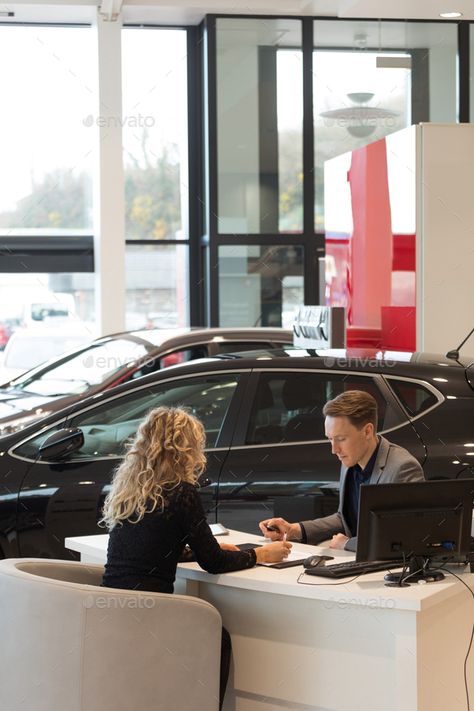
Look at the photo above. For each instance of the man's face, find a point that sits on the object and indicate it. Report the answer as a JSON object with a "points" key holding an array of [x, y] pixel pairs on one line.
{"points": [[349, 444]]}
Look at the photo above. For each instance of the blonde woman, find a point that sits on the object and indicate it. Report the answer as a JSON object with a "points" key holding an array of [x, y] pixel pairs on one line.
{"points": [[154, 509]]}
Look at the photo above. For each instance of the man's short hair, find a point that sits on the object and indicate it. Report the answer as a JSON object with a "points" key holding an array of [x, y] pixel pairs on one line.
{"points": [[359, 407]]}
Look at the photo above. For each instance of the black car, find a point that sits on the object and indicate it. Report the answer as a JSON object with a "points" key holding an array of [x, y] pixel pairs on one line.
{"points": [[112, 360], [266, 449]]}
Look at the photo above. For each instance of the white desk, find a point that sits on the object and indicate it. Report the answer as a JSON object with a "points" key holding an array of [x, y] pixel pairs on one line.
{"points": [[327, 646]]}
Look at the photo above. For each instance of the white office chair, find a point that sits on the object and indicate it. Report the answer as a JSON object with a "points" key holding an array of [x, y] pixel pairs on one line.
{"points": [[70, 645]]}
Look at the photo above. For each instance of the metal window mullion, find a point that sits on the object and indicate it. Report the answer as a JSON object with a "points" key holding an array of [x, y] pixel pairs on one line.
{"points": [[195, 189], [212, 168], [463, 78], [313, 248]]}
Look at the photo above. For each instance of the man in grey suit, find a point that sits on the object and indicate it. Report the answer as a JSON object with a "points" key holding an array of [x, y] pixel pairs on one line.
{"points": [[366, 458]]}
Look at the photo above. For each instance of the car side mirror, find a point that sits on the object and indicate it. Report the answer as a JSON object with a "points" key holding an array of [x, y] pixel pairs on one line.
{"points": [[62, 443]]}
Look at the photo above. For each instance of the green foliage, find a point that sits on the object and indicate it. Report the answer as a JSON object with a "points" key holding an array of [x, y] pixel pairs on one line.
{"points": [[63, 199], [291, 182], [59, 200], [152, 198]]}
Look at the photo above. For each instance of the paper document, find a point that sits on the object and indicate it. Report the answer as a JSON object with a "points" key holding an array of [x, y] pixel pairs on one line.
{"points": [[296, 556]]}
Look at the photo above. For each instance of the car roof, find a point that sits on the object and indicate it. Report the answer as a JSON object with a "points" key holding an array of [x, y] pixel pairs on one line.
{"points": [[419, 366], [361, 358], [448, 375], [169, 337]]}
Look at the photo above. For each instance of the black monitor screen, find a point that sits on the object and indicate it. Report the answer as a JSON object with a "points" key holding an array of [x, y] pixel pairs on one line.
{"points": [[427, 519]]}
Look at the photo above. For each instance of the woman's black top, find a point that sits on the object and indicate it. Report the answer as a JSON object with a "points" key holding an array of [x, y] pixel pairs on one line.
{"points": [[144, 555]]}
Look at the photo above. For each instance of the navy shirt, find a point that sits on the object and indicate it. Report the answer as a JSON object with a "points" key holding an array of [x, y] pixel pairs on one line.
{"points": [[355, 477]]}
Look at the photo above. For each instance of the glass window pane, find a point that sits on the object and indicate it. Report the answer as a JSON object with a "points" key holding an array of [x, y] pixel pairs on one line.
{"points": [[372, 78], [155, 133], [157, 286], [47, 79], [259, 125], [259, 286]]}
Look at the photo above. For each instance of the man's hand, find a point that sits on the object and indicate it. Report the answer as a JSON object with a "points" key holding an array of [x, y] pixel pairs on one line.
{"points": [[279, 525], [339, 540]]}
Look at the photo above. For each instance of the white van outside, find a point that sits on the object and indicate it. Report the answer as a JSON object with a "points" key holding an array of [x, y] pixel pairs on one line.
{"points": [[28, 347]]}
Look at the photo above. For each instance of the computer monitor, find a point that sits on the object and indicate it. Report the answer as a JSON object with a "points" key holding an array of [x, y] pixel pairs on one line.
{"points": [[415, 523]]}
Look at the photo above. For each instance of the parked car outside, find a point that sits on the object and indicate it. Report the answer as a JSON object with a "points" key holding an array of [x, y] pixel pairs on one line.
{"points": [[109, 361], [5, 333], [266, 449], [30, 347]]}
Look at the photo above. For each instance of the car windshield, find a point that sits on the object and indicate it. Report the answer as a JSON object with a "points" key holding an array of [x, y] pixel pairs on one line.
{"points": [[28, 352], [82, 370]]}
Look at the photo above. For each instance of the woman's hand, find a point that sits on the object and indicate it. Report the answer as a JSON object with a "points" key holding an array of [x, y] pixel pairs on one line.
{"points": [[273, 552]]}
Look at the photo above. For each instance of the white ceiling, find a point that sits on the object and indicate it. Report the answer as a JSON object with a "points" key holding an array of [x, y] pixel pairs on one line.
{"points": [[192, 11]]}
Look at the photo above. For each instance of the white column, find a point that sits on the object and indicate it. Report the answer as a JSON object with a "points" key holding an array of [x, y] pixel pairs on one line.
{"points": [[445, 237], [109, 223]]}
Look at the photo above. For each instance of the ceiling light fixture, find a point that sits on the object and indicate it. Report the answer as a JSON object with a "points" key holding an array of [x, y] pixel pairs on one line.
{"points": [[360, 119], [450, 15]]}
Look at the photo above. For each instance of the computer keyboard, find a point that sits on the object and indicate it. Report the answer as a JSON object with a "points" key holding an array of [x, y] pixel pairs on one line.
{"points": [[351, 568]]}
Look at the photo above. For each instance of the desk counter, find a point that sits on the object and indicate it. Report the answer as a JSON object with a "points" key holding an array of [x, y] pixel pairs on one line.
{"points": [[305, 643]]}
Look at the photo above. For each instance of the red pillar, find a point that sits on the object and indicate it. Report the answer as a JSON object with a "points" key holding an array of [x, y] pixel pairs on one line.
{"points": [[371, 243]]}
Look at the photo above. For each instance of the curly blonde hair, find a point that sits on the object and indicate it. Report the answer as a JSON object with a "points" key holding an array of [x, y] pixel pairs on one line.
{"points": [[167, 449]]}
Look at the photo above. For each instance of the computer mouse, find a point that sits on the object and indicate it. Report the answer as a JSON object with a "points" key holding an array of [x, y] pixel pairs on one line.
{"points": [[314, 560]]}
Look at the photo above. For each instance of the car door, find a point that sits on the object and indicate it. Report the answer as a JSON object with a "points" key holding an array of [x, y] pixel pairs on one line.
{"points": [[280, 463], [60, 499]]}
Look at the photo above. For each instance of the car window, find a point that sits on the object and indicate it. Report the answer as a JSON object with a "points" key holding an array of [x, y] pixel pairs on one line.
{"points": [[414, 397], [182, 355], [40, 312], [109, 425], [288, 406]]}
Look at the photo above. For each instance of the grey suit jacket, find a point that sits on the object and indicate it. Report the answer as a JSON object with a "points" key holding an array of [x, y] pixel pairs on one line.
{"points": [[394, 465]]}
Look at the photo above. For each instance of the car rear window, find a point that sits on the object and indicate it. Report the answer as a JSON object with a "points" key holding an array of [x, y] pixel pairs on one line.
{"points": [[414, 397]]}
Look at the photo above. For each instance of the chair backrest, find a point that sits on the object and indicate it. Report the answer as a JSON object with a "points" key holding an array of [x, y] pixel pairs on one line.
{"points": [[69, 644], [306, 397], [261, 429]]}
